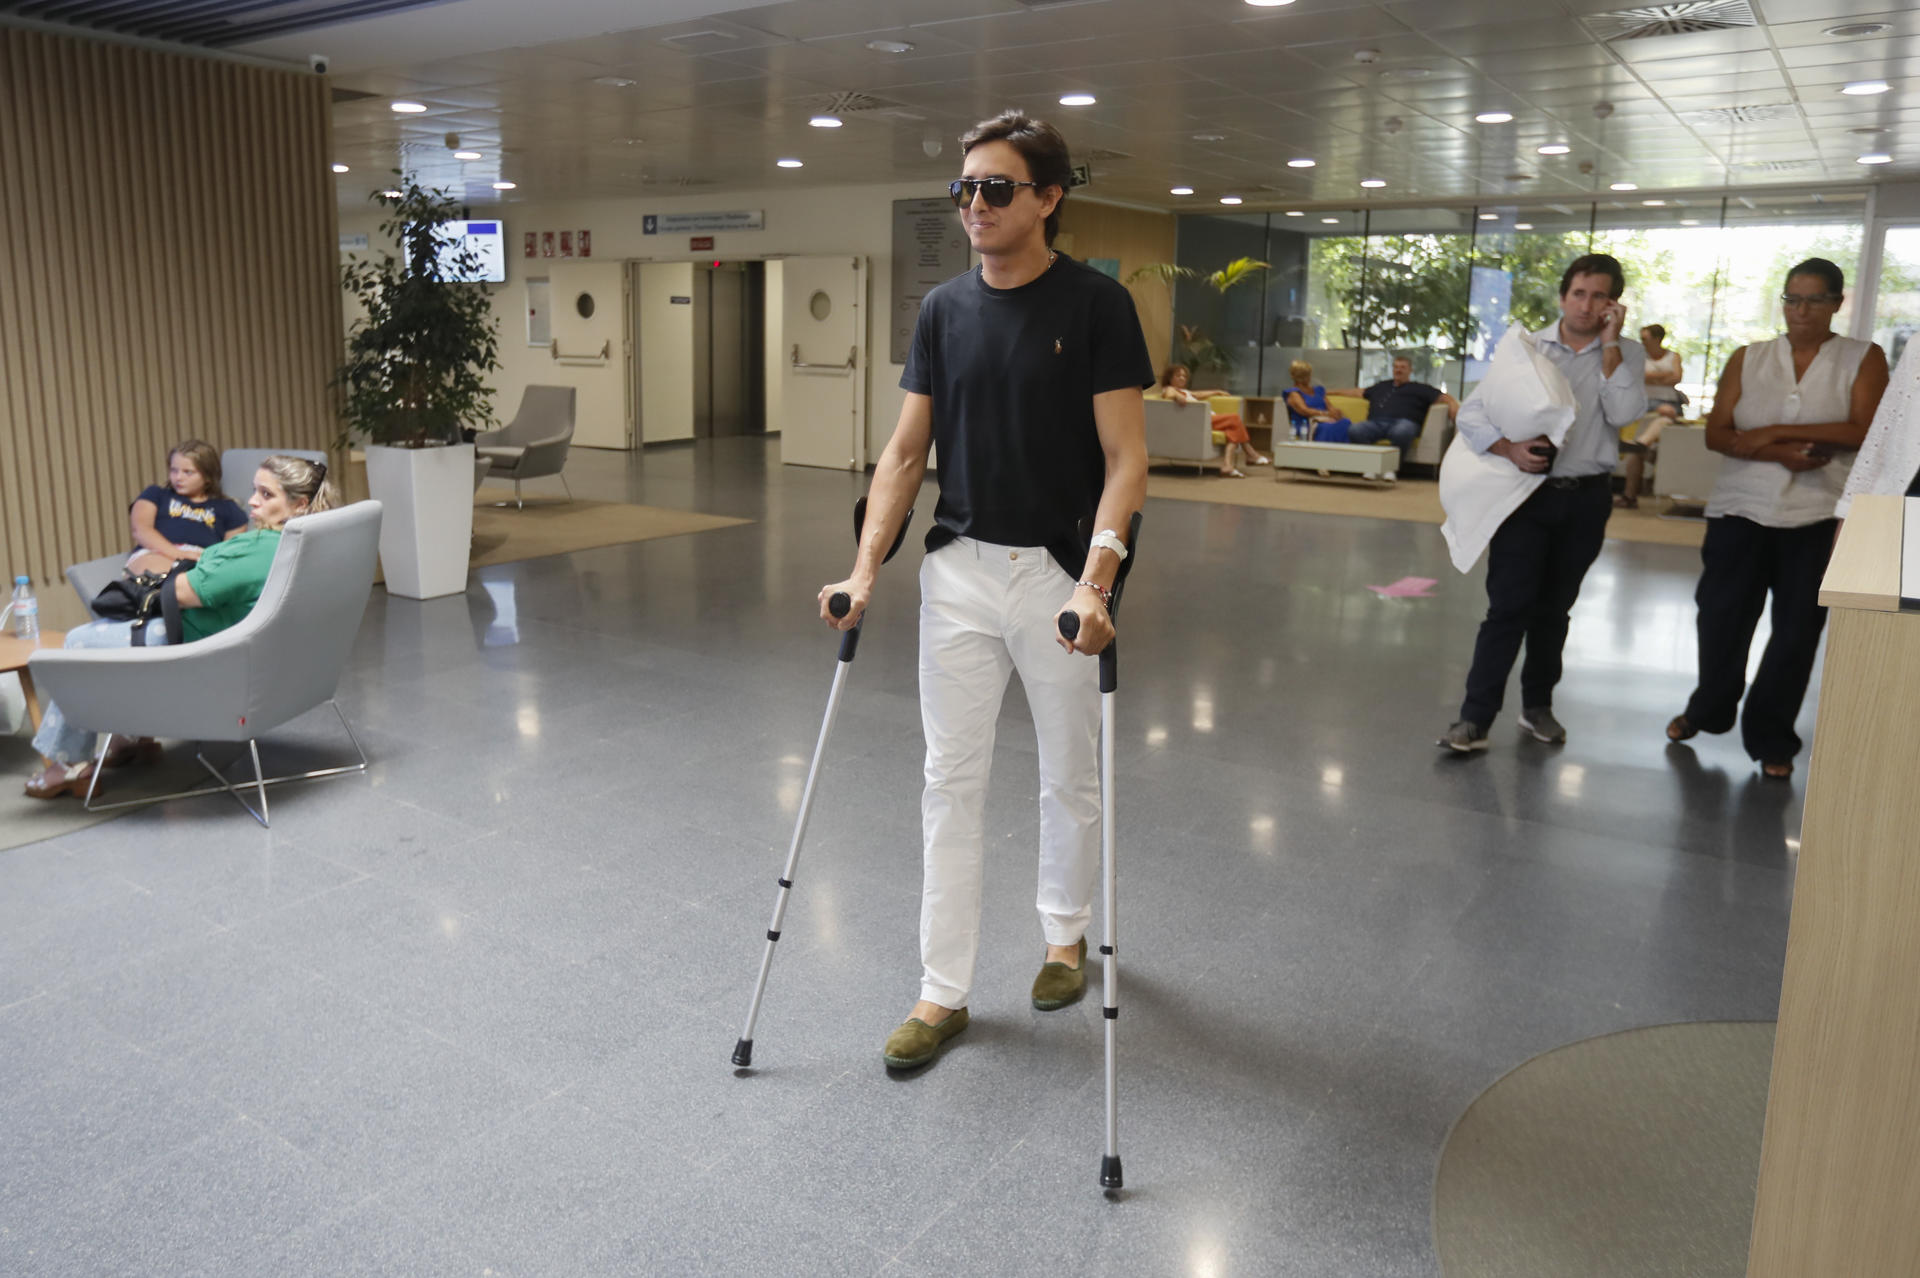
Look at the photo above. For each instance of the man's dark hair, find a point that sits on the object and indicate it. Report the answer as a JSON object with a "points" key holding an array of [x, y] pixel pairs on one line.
{"points": [[1039, 144], [1659, 331], [1596, 264], [1821, 267]]}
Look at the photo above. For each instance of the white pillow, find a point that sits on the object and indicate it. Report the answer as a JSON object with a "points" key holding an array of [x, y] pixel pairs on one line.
{"points": [[1524, 394]]}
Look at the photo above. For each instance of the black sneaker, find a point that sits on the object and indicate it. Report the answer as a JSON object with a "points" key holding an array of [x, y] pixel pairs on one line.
{"points": [[1464, 737], [1540, 724]]}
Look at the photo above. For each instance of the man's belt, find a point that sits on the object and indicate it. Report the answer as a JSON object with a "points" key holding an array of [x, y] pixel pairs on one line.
{"points": [[1578, 481]]}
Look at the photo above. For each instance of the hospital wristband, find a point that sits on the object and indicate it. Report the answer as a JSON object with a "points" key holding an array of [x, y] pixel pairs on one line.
{"points": [[1108, 539]]}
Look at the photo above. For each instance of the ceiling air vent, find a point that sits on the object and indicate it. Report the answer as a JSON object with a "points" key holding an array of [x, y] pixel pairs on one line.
{"points": [[1776, 166], [852, 103], [1103, 153], [1741, 114], [1686, 17], [647, 179]]}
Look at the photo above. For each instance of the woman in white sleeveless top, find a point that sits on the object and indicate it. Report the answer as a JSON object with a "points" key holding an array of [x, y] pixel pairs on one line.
{"points": [[1789, 414]]}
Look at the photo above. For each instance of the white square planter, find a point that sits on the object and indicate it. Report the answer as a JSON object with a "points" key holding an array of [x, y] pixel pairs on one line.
{"points": [[427, 534]]}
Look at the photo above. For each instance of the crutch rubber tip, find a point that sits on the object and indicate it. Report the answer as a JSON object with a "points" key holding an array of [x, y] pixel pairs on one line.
{"points": [[743, 1053], [840, 604], [1110, 1171]]}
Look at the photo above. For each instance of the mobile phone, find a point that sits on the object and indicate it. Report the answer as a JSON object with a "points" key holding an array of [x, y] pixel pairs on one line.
{"points": [[1548, 450]]}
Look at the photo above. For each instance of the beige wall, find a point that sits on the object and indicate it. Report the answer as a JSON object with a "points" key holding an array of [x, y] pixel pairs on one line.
{"points": [[167, 250]]}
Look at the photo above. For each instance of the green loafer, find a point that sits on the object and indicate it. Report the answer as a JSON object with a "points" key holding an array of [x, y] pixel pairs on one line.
{"points": [[1058, 985], [916, 1042]]}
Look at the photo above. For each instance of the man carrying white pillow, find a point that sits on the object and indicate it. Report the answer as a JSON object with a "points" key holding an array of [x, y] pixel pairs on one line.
{"points": [[1542, 551]]}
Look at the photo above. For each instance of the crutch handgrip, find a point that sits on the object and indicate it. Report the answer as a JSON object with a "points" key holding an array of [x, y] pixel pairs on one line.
{"points": [[840, 604], [1069, 622]]}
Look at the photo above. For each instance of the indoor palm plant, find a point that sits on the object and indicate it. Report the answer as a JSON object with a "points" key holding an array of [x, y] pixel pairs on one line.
{"points": [[413, 379], [1197, 350]]}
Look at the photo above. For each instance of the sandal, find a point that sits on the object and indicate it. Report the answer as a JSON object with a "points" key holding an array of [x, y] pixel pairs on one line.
{"points": [[1777, 771], [1261, 461], [1626, 503], [61, 778], [1233, 474], [1680, 728]]}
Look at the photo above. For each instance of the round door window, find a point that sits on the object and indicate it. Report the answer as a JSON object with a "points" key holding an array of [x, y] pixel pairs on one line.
{"points": [[584, 304], [820, 305]]}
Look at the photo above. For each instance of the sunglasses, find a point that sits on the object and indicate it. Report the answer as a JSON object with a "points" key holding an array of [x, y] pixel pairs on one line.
{"points": [[1795, 300], [999, 191]]}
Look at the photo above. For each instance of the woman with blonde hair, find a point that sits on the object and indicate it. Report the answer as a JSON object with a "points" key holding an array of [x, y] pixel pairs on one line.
{"points": [[1173, 386], [1308, 410], [219, 590]]}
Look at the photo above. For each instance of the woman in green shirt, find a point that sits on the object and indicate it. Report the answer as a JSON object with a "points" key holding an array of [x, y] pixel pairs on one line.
{"points": [[214, 594]]}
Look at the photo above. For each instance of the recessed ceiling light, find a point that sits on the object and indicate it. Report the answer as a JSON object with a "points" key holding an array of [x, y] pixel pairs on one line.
{"points": [[466, 155], [1689, 221], [1865, 88], [791, 164], [340, 168], [1523, 226], [1877, 157], [1076, 99], [1653, 204], [1555, 148], [409, 108], [615, 81], [1209, 137], [1330, 221], [826, 122], [1181, 190], [1230, 199], [1268, 4], [1295, 213], [890, 46], [1489, 217], [1853, 30], [1372, 184], [1493, 117], [504, 186], [1301, 164], [1624, 186]]}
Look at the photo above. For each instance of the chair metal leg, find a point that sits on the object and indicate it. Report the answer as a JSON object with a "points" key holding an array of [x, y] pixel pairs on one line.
{"points": [[259, 783], [564, 484], [517, 503]]}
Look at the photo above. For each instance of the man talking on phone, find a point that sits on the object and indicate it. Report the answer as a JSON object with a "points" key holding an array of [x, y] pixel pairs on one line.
{"points": [[1541, 554]]}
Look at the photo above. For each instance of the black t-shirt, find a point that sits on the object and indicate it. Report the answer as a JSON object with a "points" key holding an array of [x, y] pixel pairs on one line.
{"points": [[1387, 402], [192, 523], [1012, 374]]}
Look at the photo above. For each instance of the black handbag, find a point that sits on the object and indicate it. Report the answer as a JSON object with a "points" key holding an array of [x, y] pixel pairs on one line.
{"points": [[144, 598], [129, 597]]}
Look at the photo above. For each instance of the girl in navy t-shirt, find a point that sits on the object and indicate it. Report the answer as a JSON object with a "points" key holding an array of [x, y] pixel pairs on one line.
{"points": [[179, 519]]}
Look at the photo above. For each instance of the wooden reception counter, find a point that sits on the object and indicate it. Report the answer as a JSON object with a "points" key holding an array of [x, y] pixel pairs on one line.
{"points": [[1839, 1191]]}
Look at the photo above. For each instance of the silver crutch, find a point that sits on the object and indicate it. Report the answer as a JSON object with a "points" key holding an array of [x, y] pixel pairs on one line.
{"points": [[1069, 622], [849, 643]]}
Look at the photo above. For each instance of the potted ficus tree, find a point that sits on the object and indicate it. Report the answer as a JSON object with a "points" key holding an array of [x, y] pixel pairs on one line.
{"points": [[414, 377]]}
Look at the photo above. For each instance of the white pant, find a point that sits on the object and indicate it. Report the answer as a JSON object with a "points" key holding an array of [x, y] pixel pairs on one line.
{"points": [[987, 610]]}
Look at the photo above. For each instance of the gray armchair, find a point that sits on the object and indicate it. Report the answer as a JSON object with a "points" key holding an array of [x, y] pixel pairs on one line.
{"points": [[534, 444], [90, 578], [282, 660]]}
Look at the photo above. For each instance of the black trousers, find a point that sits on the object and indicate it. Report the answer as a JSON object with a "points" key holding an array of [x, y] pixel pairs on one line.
{"points": [[1534, 569], [1741, 563]]}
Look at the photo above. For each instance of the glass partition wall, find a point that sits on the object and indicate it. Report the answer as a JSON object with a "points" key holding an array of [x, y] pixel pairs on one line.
{"points": [[1347, 289]]}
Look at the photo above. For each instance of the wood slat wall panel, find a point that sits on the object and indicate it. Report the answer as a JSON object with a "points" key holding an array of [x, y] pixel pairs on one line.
{"points": [[167, 270]]}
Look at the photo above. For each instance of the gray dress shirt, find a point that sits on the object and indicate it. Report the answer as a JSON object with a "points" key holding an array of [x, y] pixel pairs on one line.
{"points": [[1605, 404]]}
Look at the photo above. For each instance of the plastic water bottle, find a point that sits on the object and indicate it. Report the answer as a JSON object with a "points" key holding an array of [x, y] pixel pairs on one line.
{"points": [[26, 610]]}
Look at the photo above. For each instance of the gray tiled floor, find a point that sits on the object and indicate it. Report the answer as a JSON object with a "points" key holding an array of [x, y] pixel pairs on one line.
{"points": [[472, 1013]]}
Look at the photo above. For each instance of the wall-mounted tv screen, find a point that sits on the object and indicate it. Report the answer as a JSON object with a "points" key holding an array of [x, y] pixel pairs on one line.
{"points": [[488, 243]]}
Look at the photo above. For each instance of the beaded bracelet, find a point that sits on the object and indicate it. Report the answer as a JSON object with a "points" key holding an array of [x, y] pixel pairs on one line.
{"points": [[1106, 596]]}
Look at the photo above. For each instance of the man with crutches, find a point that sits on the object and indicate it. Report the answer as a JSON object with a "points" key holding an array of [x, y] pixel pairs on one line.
{"points": [[1027, 374]]}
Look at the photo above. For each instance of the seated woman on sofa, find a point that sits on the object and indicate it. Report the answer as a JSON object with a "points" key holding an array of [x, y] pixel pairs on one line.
{"points": [[219, 590], [1307, 408], [179, 519], [1173, 386]]}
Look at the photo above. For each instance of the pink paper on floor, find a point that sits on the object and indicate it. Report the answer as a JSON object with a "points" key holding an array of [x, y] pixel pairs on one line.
{"points": [[1407, 588]]}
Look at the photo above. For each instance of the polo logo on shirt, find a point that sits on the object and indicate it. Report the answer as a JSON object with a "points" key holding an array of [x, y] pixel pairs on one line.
{"points": [[1057, 348]]}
